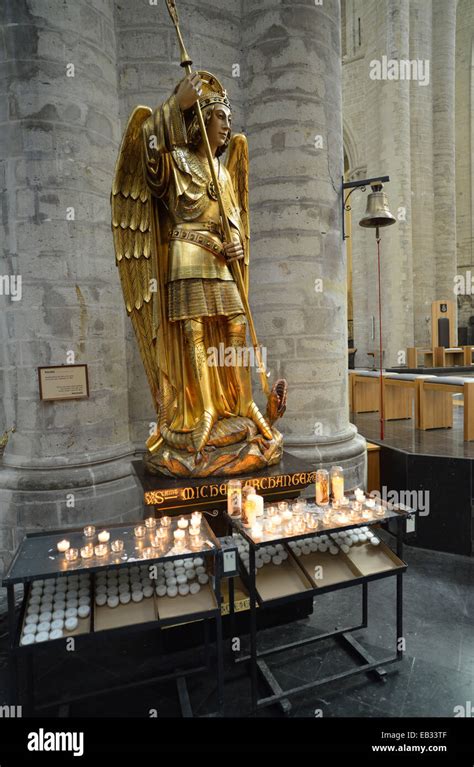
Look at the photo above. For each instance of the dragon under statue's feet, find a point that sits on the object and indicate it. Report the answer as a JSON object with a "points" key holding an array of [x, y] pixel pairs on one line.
{"points": [[254, 413], [202, 431]]}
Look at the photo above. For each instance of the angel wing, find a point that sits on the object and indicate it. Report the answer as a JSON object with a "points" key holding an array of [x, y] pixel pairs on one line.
{"points": [[238, 166], [131, 227]]}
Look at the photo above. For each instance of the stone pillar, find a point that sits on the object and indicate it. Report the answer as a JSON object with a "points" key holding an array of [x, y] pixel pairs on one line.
{"points": [[421, 129], [68, 461], [388, 153], [293, 91], [464, 123], [444, 156]]}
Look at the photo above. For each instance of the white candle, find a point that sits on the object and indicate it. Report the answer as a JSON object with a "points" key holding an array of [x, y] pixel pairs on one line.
{"points": [[257, 531], [63, 545], [337, 484], [104, 536], [179, 536], [257, 501], [182, 523]]}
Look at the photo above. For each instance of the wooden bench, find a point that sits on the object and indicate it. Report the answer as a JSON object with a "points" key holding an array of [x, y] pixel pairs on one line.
{"points": [[448, 357], [364, 391], [435, 408], [412, 357], [400, 393], [468, 355]]}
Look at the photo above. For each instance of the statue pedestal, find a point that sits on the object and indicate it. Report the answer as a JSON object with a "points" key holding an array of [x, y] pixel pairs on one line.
{"points": [[182, 495]]}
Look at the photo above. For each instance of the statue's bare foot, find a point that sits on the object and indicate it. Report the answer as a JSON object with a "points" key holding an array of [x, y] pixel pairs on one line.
{"points": [[202, 431], [254, 413]]}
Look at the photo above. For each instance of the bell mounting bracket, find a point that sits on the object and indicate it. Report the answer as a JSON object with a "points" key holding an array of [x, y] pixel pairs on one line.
{"points": [[362, 184]]}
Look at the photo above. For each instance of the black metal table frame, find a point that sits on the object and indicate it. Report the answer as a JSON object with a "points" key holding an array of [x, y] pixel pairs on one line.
{"points": [[17, 652], [256, 659]]}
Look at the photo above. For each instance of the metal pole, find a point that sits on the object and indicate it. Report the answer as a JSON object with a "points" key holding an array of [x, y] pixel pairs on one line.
{"points": [[382, 424]]}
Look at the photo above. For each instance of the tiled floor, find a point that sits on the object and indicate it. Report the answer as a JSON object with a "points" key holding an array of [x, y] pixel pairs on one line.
{"points": [[436, 674]]}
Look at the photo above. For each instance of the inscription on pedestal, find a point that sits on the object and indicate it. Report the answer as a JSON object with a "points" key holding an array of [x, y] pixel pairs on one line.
{"points": [[286, 480]]}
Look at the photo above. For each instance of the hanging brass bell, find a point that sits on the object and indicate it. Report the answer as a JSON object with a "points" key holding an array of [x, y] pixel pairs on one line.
{"points": [[377, 212]]}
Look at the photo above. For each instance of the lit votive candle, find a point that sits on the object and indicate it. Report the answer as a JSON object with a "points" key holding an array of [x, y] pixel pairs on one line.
{"points": [[322, 487], [286, 516], [276, 523], [179, 537], [282, 506], [101, 550], [312, 522], [182, 523], [72, 555], [89, 531], [87, 551], [337, 483], [257, 531], [194, 537], [104, 536], [165, 521], [139, 531], [268, 524], [63, 545], [150, 523], [148, 553], [379, 510], [196, 518], [249, 512], [161, 535], [117, 546], [259, 506], [359, 494], [299, 507]]}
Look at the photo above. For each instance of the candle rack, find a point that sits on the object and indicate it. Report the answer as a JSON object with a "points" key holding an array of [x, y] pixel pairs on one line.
{"points": [[37, 557], [263, 593]]}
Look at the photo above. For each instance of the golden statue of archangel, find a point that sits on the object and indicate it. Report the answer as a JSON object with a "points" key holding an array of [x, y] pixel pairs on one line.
{"points": [[177, 272]]}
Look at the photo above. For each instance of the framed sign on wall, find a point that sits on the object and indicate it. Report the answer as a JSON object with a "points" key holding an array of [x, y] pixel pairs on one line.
{"points": [[63, 382]]}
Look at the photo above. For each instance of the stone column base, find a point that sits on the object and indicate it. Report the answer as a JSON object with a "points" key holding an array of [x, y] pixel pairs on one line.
{"points": [[55, 494], [348, 450]]}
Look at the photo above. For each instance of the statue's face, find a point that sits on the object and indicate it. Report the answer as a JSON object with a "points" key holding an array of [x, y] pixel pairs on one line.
{"points": [[219, 125]]}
